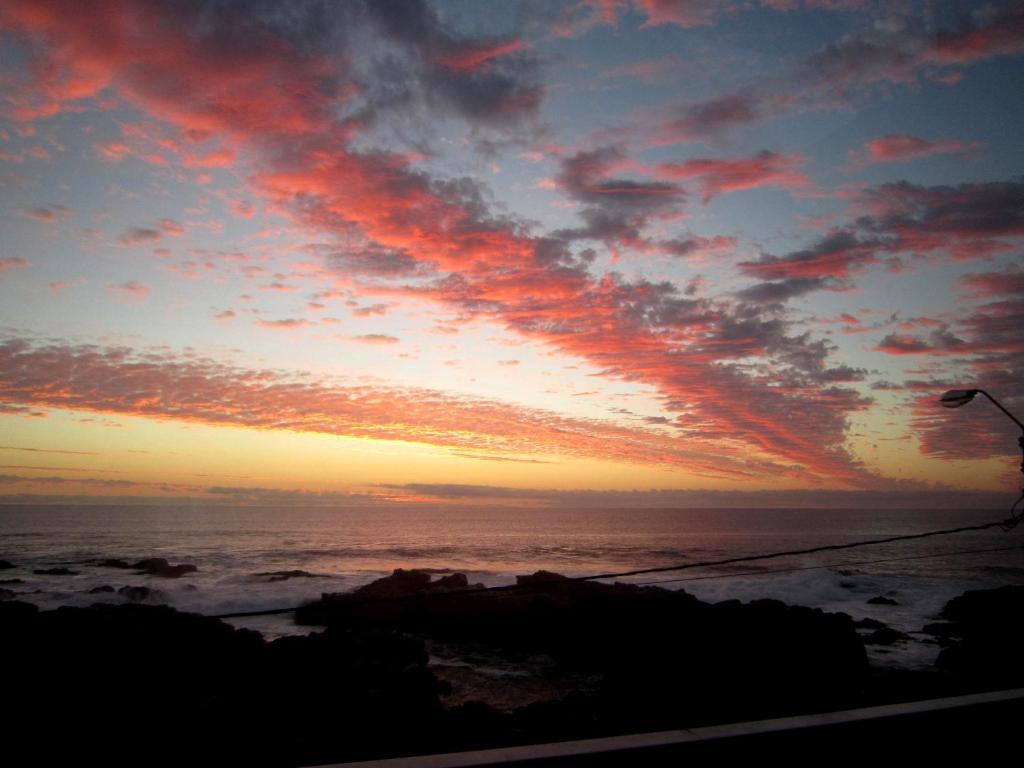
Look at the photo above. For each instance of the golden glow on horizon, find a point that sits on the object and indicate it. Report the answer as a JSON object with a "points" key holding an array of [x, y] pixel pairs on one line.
{"points": [[168, 458]]}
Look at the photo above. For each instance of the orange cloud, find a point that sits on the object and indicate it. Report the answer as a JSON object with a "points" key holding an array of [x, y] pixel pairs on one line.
{"points": [[117, 380]]}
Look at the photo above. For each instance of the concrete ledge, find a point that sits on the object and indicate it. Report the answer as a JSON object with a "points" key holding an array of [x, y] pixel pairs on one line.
{"points": [[914, 720]]}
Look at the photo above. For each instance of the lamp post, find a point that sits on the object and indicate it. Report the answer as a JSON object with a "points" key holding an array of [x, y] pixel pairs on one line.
{"points": [[955, 398]]}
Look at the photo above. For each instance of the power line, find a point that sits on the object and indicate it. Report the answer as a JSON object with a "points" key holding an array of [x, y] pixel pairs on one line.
{"points": [[828, 565], [794, 552], [533, 584]]}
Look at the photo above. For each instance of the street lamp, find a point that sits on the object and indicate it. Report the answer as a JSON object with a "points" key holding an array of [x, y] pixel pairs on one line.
{"points": [[955, 398]]}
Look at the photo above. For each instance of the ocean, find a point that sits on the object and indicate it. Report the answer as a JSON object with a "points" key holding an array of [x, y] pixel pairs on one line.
{"points": [[236, 548]]}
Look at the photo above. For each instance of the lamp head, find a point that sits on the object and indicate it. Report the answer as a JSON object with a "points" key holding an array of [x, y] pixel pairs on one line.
{"points": [[957, 397]]}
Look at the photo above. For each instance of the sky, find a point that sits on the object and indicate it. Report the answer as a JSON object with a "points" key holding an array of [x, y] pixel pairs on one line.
{"points": [[594, 251]]}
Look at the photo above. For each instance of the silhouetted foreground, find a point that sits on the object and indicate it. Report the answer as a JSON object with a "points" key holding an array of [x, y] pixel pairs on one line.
{"points": [[149, 685]]}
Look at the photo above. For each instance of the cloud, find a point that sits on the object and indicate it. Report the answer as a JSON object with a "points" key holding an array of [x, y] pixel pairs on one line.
{"points": [[896, 147], [138, 236], [12, 262], [780, 291], [230, 68], [473, 55], [987, 347], [376, 338], [131, 289], [575, 19], [968, 221], [833, 256], [899, 50], [697, 247], [911, 496], [904, 48], [616, 209], [368, 311], [285, 324], [717, 176], [681, 13], [939, 342], [511, 459], [47, 450], [292, 92], [170, 227], [155, 384], [48, 214], [995, 284], [711, 119]]}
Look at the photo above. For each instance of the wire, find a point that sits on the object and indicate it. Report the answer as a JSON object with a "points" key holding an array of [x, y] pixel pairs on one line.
{"points": [[1010, 524], [827, 565], [533, 584]]}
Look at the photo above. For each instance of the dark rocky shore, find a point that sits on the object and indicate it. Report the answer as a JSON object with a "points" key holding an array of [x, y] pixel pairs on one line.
{"points": [[116, 683]]}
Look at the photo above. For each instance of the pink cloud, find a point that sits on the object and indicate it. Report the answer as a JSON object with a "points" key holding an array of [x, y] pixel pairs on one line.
{"points": [[717, 176], [835, 256], [368, 311], [967, 221], [170, 227], [988, 347], [995, 284], [468, 57], [285, 324], [130, 289], [12, 262], [901, 147], [939, 342], [682, 13]]}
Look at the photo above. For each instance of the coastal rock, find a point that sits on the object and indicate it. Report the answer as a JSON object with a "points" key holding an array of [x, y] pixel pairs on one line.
{"points": [[453, 582], [334, 696], [886, 636], [140, 594], [12, 615], [405, 583], [158, 566], [869, 623], [646, 643], [986, 636], [538, 578], [55, 572], [285, 575], [882, 600], [942, 629], [5, 565]]}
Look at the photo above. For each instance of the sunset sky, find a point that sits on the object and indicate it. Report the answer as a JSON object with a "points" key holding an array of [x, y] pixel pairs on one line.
{"points": [[365, 252]]}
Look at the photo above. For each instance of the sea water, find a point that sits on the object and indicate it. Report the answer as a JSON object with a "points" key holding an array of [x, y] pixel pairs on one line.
{"points": [[234, 548]]}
